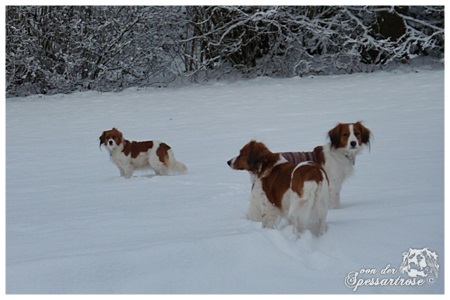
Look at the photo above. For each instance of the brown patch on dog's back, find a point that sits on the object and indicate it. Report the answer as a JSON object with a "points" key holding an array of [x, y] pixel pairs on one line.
{"points": [[277, 183], [135, 148], [162, 153], [309, 172]]}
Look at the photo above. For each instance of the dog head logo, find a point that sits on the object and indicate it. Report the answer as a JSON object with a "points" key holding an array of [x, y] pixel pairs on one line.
{"points": [[420, 263]]}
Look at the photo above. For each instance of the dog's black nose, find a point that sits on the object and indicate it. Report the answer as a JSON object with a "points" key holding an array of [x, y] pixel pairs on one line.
{"points": [[110, 143], [353, 144], [229, 162]]}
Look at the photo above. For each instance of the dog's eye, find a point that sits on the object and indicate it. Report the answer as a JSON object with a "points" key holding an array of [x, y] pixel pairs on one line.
{"points": [[357, 133], [345, 135], [113, 136]]}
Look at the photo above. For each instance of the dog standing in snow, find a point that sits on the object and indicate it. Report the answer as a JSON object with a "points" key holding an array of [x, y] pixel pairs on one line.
{"points": [[129, 156], [284, 189], [338, 156]]}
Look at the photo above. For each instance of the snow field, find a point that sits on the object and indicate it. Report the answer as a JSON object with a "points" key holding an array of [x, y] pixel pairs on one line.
{"points": [[74, 226]]}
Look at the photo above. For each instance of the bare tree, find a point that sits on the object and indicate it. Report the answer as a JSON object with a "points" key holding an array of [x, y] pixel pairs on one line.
{"points": [[59, 49]]}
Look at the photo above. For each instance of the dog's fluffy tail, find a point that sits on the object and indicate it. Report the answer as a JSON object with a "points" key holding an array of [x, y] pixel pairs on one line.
{"points": [[175, 166], [178, 167], [311, 207]]}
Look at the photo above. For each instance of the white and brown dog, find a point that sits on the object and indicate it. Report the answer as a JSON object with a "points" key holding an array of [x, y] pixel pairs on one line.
{"points": [[284, 189], [338, 156], [129, 156]]}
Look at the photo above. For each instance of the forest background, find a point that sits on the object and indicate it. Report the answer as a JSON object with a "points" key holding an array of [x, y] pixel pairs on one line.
{"points": [[62, 49]]}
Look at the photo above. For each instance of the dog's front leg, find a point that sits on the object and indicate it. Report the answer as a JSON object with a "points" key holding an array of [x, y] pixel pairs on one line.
{"points": [[254, 209], [126, 172], [122, 172], [270, 214]]}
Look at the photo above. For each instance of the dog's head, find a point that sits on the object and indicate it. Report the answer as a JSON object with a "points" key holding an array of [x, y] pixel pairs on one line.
{"points": [[350, 137], [419, 262], [254, 157], [111, 139]]}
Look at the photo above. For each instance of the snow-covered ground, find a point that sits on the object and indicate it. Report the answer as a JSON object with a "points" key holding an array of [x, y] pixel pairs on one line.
{"points": [[74, 226]]}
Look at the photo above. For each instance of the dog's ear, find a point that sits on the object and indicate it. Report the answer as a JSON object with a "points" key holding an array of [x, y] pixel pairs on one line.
{"points": [[119, 134], [365, 133], [259, 157], [258, 162], [253, 158], [102, 138], [335, 135]]}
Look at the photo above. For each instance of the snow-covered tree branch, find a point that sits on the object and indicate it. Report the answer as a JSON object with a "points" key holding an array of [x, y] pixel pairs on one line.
{"points": [[63, 49]]}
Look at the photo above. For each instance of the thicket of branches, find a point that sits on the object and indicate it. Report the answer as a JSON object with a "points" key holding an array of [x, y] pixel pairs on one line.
{"points": [[59, 49]]}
